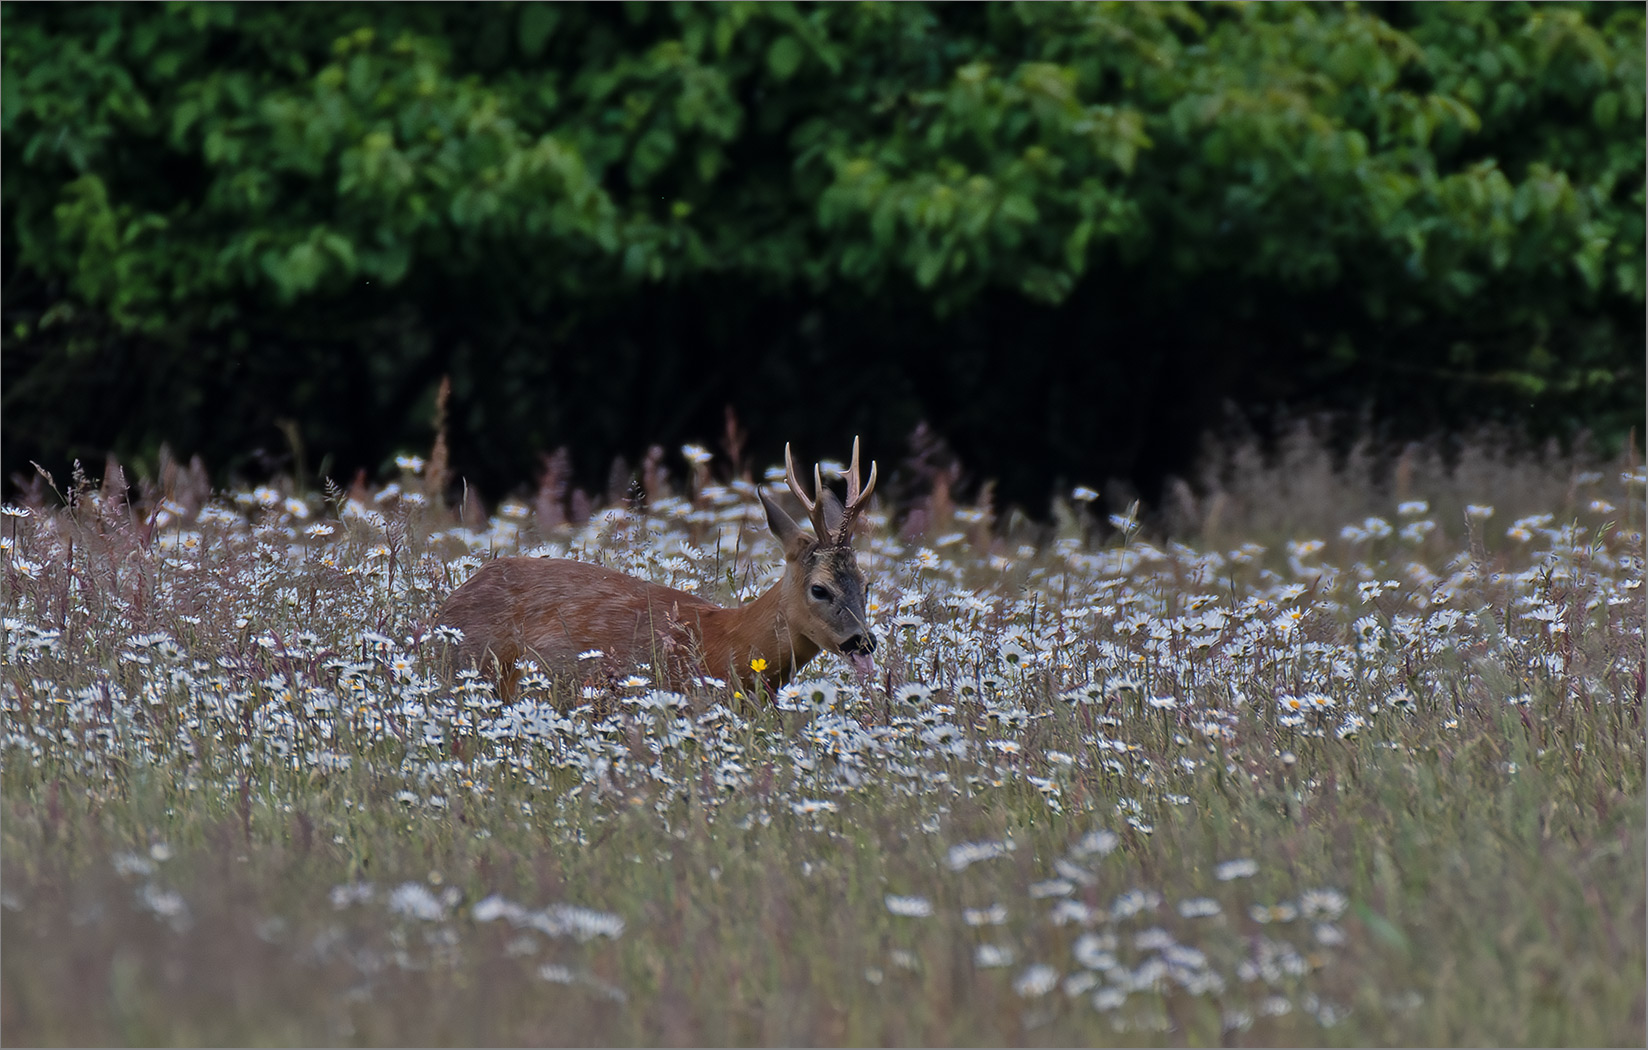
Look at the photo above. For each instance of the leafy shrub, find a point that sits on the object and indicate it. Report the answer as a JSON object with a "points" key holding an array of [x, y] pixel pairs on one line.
{"points": [[313, 213]]}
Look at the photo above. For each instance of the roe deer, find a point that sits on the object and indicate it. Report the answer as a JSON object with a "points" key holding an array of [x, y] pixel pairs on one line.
{"points": [[552, 610]]}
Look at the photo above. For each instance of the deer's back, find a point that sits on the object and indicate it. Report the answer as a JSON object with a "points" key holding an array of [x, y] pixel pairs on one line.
{"points": [[552, 610]]}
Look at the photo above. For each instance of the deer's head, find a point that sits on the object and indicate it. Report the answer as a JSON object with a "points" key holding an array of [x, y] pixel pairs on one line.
{"points": [[824, 591]]}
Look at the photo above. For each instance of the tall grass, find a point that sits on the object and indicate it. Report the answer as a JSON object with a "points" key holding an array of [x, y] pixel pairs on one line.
{"points": [[1374, 782]]}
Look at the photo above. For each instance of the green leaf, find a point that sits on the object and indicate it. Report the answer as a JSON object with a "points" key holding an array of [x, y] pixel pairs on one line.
{"points": [[303, 269], [184, 118], [389, 263], [1605, 110], [11, 101], [538, 21], [1591, 261], [929, 264], [784, 57], [653, 151], [1382, 928], [1016, 207], [342, 249]]}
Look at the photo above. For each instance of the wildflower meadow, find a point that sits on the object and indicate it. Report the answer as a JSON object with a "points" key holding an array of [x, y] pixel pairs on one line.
{"points": [[1334, 756]]}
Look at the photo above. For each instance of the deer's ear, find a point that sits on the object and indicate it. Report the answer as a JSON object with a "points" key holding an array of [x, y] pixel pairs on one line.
{"points": [[830, 509], [795, 541]]}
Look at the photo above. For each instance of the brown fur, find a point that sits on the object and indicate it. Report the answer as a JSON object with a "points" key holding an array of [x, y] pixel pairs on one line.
{"points": [[551, 611]]}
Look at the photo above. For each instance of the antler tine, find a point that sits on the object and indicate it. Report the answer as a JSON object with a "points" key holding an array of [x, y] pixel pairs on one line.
{"points": [[856, 497], [852, 476], [814, 512], [795, 483]]}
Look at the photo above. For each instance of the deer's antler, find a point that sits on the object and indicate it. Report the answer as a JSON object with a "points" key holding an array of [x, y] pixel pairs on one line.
{"points": [[856, 497], [814, 511]]}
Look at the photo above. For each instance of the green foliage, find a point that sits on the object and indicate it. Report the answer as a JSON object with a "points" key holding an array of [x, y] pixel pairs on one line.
{"points": [[1458, 188]]}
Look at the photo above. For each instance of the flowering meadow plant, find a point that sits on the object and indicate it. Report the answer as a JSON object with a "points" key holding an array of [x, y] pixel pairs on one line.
{"points": [[1379, 784]]}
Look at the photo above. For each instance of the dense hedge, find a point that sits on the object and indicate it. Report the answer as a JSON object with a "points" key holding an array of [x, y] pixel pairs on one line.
{"points": [[1065, 234]]}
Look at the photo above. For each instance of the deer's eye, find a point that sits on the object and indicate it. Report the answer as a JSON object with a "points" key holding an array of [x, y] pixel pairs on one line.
{"points": [[821, 593]]}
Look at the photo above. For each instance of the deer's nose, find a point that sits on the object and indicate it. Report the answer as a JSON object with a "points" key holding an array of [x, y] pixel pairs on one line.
{"points": [[859, 643]]}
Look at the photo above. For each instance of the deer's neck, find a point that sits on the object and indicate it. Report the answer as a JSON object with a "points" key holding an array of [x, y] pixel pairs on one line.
{"points": [[734, 639]]}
